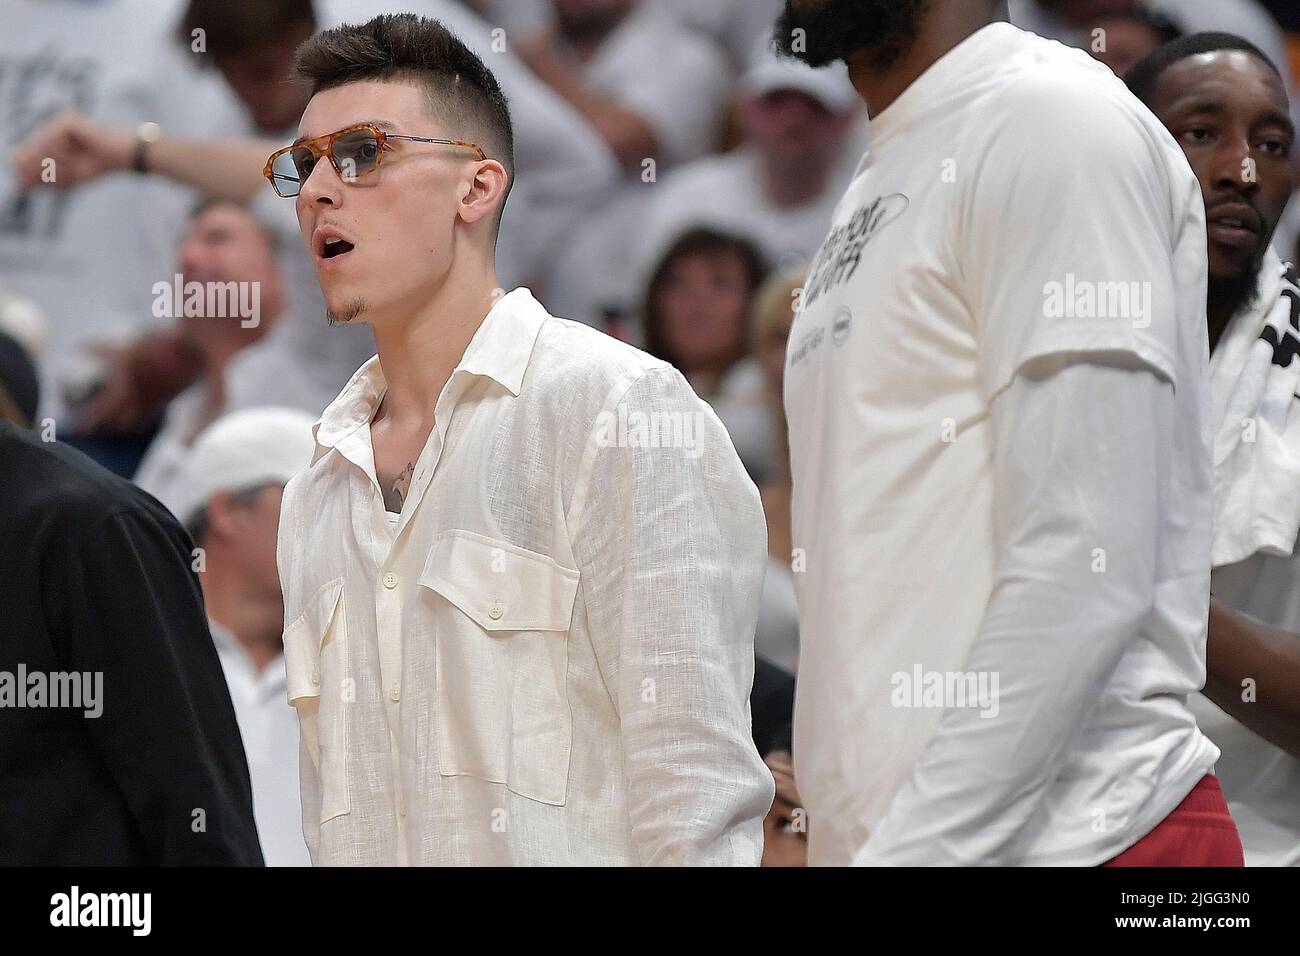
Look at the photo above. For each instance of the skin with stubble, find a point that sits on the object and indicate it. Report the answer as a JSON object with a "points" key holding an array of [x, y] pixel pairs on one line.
{"points": [[1229, 112], [421, 270]]}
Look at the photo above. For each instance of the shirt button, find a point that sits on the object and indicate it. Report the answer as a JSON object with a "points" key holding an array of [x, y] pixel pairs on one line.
{"points": [[315, 677], [396, 693], [390, 580], [495, 610], [401, 807]]}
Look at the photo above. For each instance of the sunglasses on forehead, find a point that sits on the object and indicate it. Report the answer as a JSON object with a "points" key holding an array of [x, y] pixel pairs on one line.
{"points": [[353, 152]]}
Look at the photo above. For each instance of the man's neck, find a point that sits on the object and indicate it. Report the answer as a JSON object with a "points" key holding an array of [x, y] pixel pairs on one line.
{"points": [[943, 26], [1225, 299], [419, 354]]}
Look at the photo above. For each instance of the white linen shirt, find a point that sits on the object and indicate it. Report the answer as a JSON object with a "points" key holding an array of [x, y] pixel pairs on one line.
{"points": [[547, 659]]}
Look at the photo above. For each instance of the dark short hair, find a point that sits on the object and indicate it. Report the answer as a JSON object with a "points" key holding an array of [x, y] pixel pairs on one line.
{"points": [[461, 90], [231, 28], [697, 241], [1146, 73]]}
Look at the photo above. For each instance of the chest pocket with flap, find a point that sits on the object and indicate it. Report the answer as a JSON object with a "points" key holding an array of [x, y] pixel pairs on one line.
{"points": [[502, 618]]}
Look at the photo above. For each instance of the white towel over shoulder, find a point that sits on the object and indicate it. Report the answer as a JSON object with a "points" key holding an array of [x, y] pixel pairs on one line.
{"points": [[1254, 381]]}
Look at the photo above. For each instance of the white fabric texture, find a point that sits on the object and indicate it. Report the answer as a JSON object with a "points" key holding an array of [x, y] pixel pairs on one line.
{"points": [[957, 256], [1255, 384], [1081, 473], [547, 661]]}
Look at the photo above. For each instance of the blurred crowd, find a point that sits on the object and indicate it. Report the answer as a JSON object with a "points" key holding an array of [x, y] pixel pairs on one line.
{"points": [[673, 177]]}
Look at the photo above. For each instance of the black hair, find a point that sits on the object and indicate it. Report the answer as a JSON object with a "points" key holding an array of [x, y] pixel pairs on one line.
{"points": [[1146, 73], [405, 46]]}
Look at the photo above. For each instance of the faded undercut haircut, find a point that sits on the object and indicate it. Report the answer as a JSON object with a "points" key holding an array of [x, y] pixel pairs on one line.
{"points": [[461, 91]]}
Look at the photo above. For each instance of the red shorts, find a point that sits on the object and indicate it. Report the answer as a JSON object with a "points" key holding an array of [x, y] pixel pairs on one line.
{"points": [[1200, 832]]}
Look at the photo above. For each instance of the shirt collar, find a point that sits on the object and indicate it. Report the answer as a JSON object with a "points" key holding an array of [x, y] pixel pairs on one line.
{"points": [[500, 350]]}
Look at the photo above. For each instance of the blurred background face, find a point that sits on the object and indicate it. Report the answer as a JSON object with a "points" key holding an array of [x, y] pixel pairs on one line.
{"points": [[704, 308], [1228, 111], [578, 18], [835, 29], [401, 219], [247, 532], [224, 243], [1127, 41], [262, 77], [792, 130], [1084, 11]]}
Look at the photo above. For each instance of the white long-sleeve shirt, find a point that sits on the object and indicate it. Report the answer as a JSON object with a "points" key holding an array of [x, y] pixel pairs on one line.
{"points": [[547, 658], [1076, 523], [1002, 574]]}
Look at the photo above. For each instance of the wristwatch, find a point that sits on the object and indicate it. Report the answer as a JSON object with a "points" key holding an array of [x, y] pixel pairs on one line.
{"points": [[146, 135]]}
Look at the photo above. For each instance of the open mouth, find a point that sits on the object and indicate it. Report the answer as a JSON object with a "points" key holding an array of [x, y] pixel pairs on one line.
{"points": [[335, 247]]}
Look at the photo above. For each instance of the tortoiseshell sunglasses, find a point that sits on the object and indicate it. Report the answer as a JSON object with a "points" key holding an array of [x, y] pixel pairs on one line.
{"points": [[353, 152]]}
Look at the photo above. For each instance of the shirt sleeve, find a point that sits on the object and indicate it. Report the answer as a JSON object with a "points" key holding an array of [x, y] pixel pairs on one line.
{"points": [[130, 609], [1082, 449], [1067, 231], [671, 545]]}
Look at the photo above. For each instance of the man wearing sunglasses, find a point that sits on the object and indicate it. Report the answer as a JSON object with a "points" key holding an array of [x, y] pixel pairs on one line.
{"points": [[521, 572]]}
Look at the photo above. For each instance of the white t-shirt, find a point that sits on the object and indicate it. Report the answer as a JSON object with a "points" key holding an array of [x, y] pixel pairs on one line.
{"points": [[1014, 174]]}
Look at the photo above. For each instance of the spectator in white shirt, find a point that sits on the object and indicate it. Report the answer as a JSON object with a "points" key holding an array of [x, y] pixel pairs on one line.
{"points": [[607, 58], [232, 482], [697, 317], [778, 189], [521, 574], [88, 258], [231, 258], [1002, 483], [1227, 106]]}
